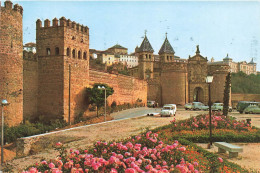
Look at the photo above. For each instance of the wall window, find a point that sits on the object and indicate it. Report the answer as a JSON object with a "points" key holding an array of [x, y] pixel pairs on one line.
{"points": [[74, 53], [150, 56], [85, 55], [79, 54], [68, 52], [57, 51], [48, 51]]}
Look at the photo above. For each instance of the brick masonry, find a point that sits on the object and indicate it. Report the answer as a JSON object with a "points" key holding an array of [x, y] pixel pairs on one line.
{"points": [[11, 61], [126, 89], [59, 74]]}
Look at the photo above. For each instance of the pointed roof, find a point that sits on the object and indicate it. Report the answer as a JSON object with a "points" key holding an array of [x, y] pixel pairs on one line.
{"points": [[252, 61], [145, 46], [166, 47]]}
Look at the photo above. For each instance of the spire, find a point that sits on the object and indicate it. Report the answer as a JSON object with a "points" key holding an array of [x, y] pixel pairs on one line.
{"points": [[227, 57], [145, 46], [198, 50], [252, 61], [166, 47]]}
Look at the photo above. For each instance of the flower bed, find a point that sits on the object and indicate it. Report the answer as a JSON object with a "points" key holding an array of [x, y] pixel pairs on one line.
{"points": [[142, 153], [196, 129]]}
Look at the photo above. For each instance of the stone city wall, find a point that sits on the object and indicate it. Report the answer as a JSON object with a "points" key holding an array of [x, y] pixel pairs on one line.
{"points": [[126, 89]]}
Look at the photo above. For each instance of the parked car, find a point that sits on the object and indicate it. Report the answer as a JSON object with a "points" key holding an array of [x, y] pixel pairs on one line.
{"points": [[242, 105], [252, 109], [150, 103], [168, 110], [219, 107], [199, 106], [188, 106]]}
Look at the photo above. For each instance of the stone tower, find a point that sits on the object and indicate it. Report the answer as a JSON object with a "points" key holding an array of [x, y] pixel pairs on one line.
{"points": [[166, 52], [146, 59], [63, 67], [11, 61], [173, 76]]}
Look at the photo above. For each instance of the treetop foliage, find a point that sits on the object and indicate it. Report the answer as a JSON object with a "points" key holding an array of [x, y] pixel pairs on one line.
{"points": [[245, 84]]}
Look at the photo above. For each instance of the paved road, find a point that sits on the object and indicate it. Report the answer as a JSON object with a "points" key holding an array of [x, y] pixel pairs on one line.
{"points": [[135, 112]]}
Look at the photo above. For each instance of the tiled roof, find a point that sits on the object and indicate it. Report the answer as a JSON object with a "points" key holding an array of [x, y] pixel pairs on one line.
{"points": [[166, 47], [117, 46], [31, 44], [145, 46]]}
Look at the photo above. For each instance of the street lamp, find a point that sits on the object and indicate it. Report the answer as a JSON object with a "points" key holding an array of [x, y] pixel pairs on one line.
{"points": [[3, 103], [104, 88], [209, 80]]}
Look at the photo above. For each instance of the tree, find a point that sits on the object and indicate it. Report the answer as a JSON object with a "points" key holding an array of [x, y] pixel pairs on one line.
{"points": [[226, 94], [97, 96]]}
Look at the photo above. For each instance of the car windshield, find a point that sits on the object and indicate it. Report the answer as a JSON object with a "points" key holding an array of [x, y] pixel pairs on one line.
{"points": [[167, 108]]}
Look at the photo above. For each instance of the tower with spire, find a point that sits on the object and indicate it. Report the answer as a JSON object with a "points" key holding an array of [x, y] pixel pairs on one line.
{"points": [[146, 59], [166, 52]]}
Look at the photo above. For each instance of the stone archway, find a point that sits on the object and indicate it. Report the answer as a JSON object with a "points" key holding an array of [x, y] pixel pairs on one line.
{"points": [[198, 95]]}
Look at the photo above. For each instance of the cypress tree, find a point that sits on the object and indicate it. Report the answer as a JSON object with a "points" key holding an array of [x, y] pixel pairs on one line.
{"points": [[226, 94]]}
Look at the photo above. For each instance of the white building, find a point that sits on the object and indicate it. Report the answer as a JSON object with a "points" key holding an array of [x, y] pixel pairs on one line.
{"points": [[129, 60], [30, 47]]}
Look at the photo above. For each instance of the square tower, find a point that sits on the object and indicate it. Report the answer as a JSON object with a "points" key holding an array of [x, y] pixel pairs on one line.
{"points": [[63, 53]]}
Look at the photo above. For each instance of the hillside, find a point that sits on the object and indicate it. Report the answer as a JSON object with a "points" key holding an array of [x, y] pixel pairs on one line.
{"points": [[246, 84]]}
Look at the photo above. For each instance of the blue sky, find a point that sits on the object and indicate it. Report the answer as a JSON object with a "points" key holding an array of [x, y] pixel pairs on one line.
{"points": [[218, 27]]}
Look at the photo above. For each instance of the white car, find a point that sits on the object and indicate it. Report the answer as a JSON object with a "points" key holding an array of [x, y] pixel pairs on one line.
{"points": [[168, 110]]}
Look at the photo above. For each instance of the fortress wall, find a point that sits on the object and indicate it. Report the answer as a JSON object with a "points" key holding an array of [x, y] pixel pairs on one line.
{"points": [[236, 97], [173, 91], [51, 81], [30, 87], [154, 91], [174, 83], [218, 84], [126, 89], [78, 81], [11, 61]]}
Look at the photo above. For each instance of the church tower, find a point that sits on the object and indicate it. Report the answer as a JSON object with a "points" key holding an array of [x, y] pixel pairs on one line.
{"points": [[166, 52], [146, 59]]}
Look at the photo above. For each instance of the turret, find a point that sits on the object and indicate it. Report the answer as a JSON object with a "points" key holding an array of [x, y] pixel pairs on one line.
{"points": [[166, 52]]}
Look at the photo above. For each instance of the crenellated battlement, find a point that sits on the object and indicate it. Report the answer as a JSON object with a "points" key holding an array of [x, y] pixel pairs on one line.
{"points": [[62, 22], [8, 5]]}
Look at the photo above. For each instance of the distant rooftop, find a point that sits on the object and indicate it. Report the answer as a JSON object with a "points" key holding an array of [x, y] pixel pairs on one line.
{"points": [[117, 46], [30, 44]]}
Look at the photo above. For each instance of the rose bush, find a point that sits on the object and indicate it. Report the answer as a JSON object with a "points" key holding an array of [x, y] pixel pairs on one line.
{"points": [[142, 153]]}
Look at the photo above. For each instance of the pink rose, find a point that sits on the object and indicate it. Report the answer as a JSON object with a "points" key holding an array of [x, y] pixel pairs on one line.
{"points": [[220, 159], [51, 165]]}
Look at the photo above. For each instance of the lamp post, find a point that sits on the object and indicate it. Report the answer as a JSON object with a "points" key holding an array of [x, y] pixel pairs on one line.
{"points": [[209, 80], [104, 88], [3, 103]]}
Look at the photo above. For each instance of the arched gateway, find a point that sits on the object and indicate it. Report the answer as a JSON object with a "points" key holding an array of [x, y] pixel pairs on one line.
{"points": [[198, 94]]}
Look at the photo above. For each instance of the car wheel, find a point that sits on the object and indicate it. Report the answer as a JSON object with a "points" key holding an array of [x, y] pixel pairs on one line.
{"points": [[186, 108], [251, 112], [161, 115]]}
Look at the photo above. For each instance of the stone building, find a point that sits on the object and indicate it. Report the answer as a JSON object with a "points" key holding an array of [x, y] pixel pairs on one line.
{"points": [[30, 47], [175, 80], [117, 49], [248, 68], [11, 61]]}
